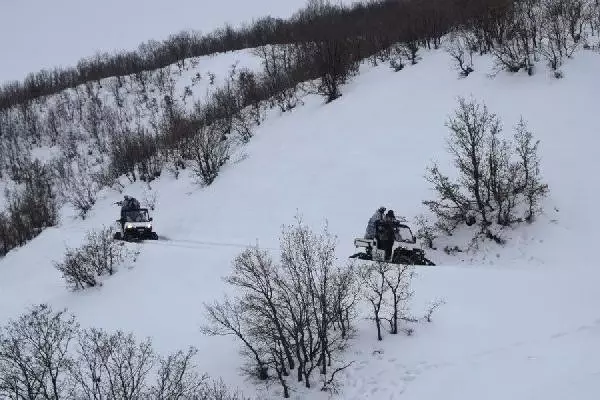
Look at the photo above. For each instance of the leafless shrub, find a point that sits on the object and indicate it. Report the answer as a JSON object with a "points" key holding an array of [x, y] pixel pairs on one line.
{"points": [[398, 279], [560, 36], [395, 57], [149, 198], [136, 155], [410, 51], [15, 154], [112, 365], [209, 149], [75, 183], [461, 47], [432, 307], [99, 255], [34, 355], [387, 289], [335, 63], [529, 181], [229, 318], [491, 181], [515, 52], [375, 290], [426, 231], [295, 315], [283, 72]]}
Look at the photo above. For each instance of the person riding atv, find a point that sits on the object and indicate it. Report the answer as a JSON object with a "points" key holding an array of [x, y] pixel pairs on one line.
{"points": [[135, 222], [127, 204], [388, 239]]}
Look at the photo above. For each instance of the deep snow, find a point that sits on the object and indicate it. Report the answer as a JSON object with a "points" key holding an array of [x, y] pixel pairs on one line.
{"points": [[520, 321]]}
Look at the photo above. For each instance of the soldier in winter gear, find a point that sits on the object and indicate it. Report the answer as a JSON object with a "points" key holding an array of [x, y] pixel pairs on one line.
{"points": [[128, 204], [386, 233], [371, 225]]}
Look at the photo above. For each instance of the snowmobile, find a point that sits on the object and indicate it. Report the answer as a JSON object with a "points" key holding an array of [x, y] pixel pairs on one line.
{"points": [[135, 225], [401, 253]]}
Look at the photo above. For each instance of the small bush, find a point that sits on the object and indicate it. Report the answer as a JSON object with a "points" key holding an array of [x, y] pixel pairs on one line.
{"points": [[387, 289], [497, 179], [209, 149], [99, 256], [461, 47], [76, 184]]}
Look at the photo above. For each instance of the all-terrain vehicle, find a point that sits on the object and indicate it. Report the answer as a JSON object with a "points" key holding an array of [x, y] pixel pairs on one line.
{"points": [[401, 253], [135, 225]]}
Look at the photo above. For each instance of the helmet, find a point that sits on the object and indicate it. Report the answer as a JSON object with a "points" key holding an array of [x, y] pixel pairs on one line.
{"points": [[126, 197], [381, 209]]}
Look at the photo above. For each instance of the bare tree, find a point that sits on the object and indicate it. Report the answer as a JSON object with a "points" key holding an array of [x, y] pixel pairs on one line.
{"points": [[76, 184], [461, 47], [559, 38], [373, 278], [426, 231], [210, 150], [493, 174], [397, 280], [149, 198], [34, 355], [112, 366], [470, 127], [530, 182], [227, 318], [294, 315], [335, 64]]}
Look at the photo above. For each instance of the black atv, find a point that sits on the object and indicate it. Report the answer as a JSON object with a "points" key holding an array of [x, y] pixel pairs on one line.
{"points": [[135, 225], [401, 254]]}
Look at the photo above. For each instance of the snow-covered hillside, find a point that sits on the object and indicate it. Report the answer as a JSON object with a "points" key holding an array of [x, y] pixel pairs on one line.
{"points": [[520, 321]]}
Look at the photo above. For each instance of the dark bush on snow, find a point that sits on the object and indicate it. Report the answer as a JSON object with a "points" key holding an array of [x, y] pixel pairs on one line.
{"points": [[75, 183], [295, 315], [99, 255], [498, 181]]}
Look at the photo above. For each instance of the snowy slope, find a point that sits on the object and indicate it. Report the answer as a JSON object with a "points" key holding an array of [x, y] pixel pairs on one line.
{"points": [[520, 322]]}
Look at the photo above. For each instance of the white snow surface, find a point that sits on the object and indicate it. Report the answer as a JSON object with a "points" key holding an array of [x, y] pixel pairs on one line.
{"points": [[520, 321]]}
